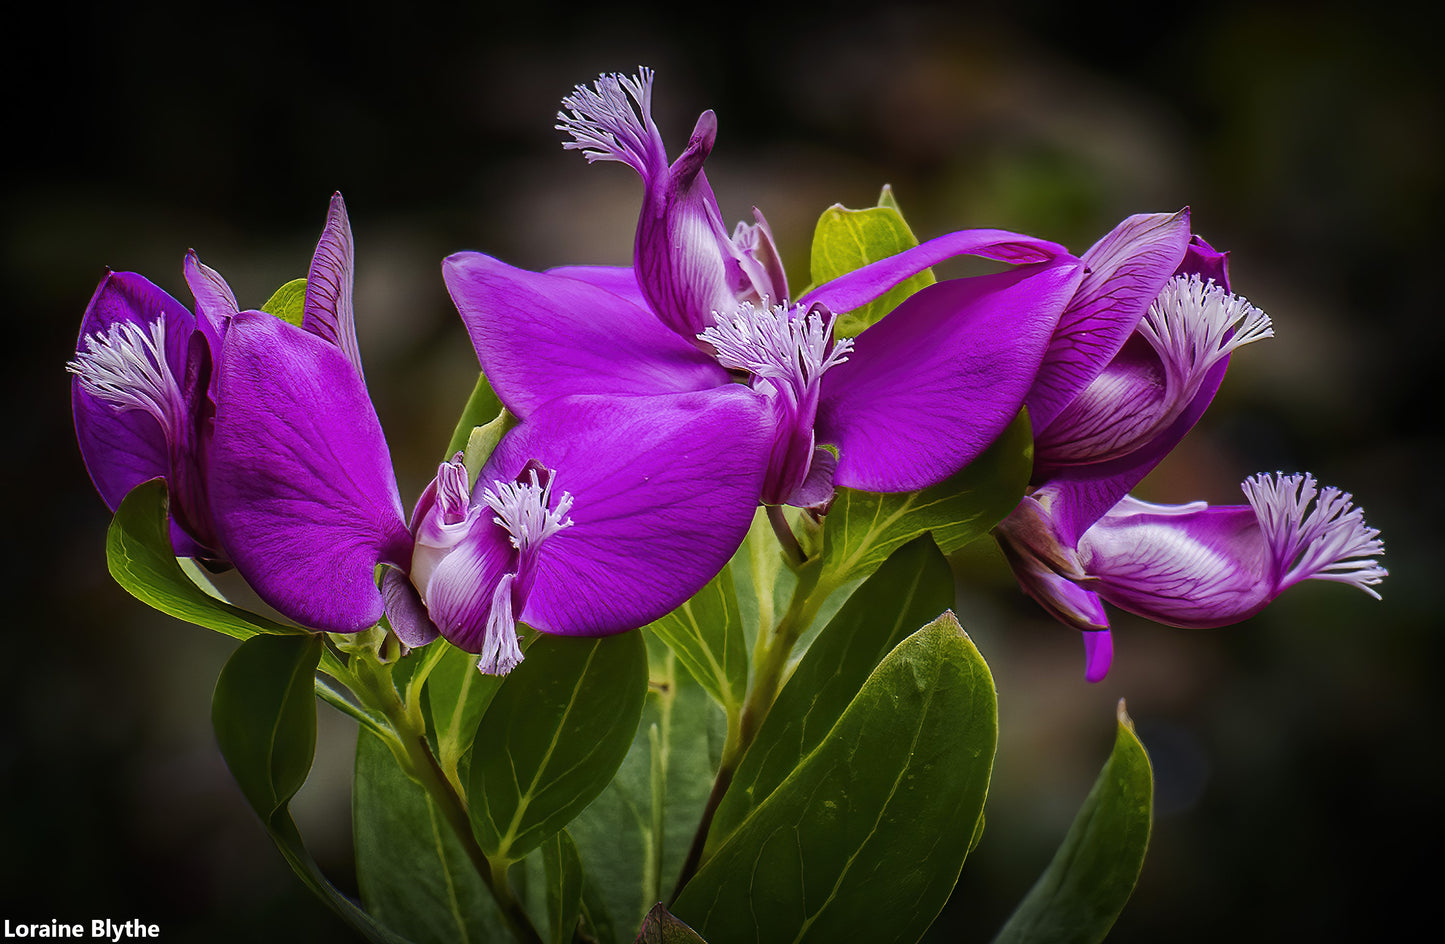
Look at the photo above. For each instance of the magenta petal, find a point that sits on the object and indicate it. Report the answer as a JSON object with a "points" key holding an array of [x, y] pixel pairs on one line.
{"points": [[1098, 655], [664, 491], [328, 313], [1126, 271], [405, 611], [215, 303], [929, 387], [1086, 492], [619, 280], [1190, 566], [1205, 261], [123, 449], [302, 486], [461, 591], [540, 336], [861, 286]]}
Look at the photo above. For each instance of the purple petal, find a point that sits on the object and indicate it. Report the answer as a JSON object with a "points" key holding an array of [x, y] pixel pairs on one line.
{"points": [[1205, 261], [1126, 271], [1098, 655], [1085, 492], [619, 280], [1190, 567], [1113, 415], [461, 591], [328, 313], [215, 303], [929, 387], [123, 449], [405, 611], [861, 286], [540, 336], [664, 489], [302, 484]]}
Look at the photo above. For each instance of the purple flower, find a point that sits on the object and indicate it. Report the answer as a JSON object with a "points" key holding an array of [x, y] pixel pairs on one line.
{"points": [[594, 516], [905, 404], [1139, 354], [1192, 566]]}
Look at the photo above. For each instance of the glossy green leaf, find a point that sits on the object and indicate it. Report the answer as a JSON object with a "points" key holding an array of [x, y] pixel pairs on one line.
{"points": [[1081, 893], [911, 588], [662, 927], [482, 440], [845, 240], [413, 874], [863, 528], [481, 408], [289, 302], [139, 554], [634, 838], [865, 839], [264, 714], [455, 696], [706, 633], [563, 871], [552, 738]]}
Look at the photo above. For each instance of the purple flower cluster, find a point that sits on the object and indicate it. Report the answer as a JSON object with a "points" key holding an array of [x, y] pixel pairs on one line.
{"points": [[660, 404]]}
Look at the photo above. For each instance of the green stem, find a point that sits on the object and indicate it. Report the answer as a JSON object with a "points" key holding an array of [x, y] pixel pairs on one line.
{"points": [[770, 662], [412, 751]]}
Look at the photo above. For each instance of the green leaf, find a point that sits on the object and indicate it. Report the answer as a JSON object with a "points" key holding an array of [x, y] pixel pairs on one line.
{"points": [[455, 696], [139, 554], [481, 407], [910, 589], [564, 886], [706, 634], [863, 528], [289, 302], [661, 927], [482, 440], [1081, 893], [634, 838], [865, 839], [413, 874], [264, 714], [552, 738], [845, 240]]}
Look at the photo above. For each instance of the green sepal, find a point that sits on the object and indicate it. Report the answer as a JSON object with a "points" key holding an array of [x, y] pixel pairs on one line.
{"points": [[1080, 895], [140, 557], [264, 715], [865, 839], [552, 738], [846, 240], [482, 405], [911, 588], [863, 528], [288, 303]]}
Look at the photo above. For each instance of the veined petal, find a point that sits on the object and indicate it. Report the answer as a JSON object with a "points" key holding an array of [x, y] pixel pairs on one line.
{"points": [[664, 490], [540, 336], [461, 590], [1125, 272], [619, 280], [861, 286], [1207, 567], [930, 386], [215, 302], [328, 312], [1205, 261], [124, 445], [302, 484]]}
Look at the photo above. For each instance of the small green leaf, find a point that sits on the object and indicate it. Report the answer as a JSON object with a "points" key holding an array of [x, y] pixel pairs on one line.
{"points": [[661, 927], [564, 886], [634, 838], [481, 407], [139, 554], [552, 738], [455, 696], [863, 528], [887, 199], [910, 589], [845, 240], [264, 714], [1081, 893], [413, 874], [865, 839], [482, 440], [289, 302], [706, 634]]}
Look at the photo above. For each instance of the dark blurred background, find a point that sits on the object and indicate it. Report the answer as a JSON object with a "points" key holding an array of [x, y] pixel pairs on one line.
{"points": [[1297, 756]]}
